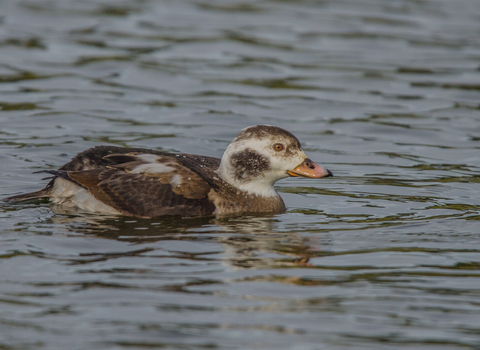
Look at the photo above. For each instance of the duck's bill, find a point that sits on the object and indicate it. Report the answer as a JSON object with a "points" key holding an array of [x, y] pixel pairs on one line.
{"points": [[310, 169]]}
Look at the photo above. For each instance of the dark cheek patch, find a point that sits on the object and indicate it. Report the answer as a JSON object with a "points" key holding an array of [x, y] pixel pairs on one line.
{"points": [[248, 163]]}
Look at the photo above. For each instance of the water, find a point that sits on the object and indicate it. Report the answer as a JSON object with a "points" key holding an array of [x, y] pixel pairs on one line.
{"points": [[385, 255]]}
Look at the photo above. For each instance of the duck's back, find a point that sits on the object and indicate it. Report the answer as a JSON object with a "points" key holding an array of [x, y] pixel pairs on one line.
{"points": [[134, 182]]}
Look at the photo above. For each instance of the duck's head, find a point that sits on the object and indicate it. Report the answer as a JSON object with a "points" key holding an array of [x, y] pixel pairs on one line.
{"points": [[263, 154]]}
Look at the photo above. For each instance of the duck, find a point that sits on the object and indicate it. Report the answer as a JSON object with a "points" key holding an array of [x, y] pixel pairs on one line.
{"points": [[146, 183]]}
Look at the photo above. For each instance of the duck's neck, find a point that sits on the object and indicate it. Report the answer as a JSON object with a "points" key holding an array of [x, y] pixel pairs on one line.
{"points": [[258, 186], [229, 199]]}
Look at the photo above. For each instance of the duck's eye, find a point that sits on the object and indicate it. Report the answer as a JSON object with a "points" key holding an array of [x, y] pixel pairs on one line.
{"points": [[278, 147]]}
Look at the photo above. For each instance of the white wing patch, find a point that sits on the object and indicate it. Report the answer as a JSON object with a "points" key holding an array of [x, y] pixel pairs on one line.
{"points": [[147, 158], [151, 165], [152, 168], [166, 170], [176, 180]]}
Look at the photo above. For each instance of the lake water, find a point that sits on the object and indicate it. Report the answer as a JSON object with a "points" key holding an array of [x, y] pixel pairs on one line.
{"points": [[385, 93]]}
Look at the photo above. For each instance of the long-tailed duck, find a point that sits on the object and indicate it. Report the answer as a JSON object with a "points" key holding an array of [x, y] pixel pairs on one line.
{"points": [[146, 183]]}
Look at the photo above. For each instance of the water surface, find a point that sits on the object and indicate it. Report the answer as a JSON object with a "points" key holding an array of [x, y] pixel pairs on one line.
{"points": [[385, 255]]}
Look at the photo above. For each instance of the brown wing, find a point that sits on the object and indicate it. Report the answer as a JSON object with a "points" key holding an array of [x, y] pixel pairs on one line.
{"points": [[103, 156], [97, 157], [147, 185], [112, 175]]}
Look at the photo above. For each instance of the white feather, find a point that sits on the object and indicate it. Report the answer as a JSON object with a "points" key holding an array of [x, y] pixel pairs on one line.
{"points": [[151, 165], [176, 180], [152, 168], [280, 163], [67, 193]]}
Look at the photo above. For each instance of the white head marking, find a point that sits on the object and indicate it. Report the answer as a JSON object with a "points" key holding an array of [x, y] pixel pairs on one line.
{"points": [[251, 163]]}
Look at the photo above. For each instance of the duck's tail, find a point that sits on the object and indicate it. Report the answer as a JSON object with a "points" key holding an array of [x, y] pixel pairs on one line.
{"points": [[43, 193]]}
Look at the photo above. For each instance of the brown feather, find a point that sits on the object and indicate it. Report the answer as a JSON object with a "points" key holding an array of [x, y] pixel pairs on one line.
{"points": [[140, 195]]}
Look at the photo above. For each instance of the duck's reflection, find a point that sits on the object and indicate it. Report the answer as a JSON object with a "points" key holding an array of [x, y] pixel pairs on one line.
{"points": [[252, 241]]}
